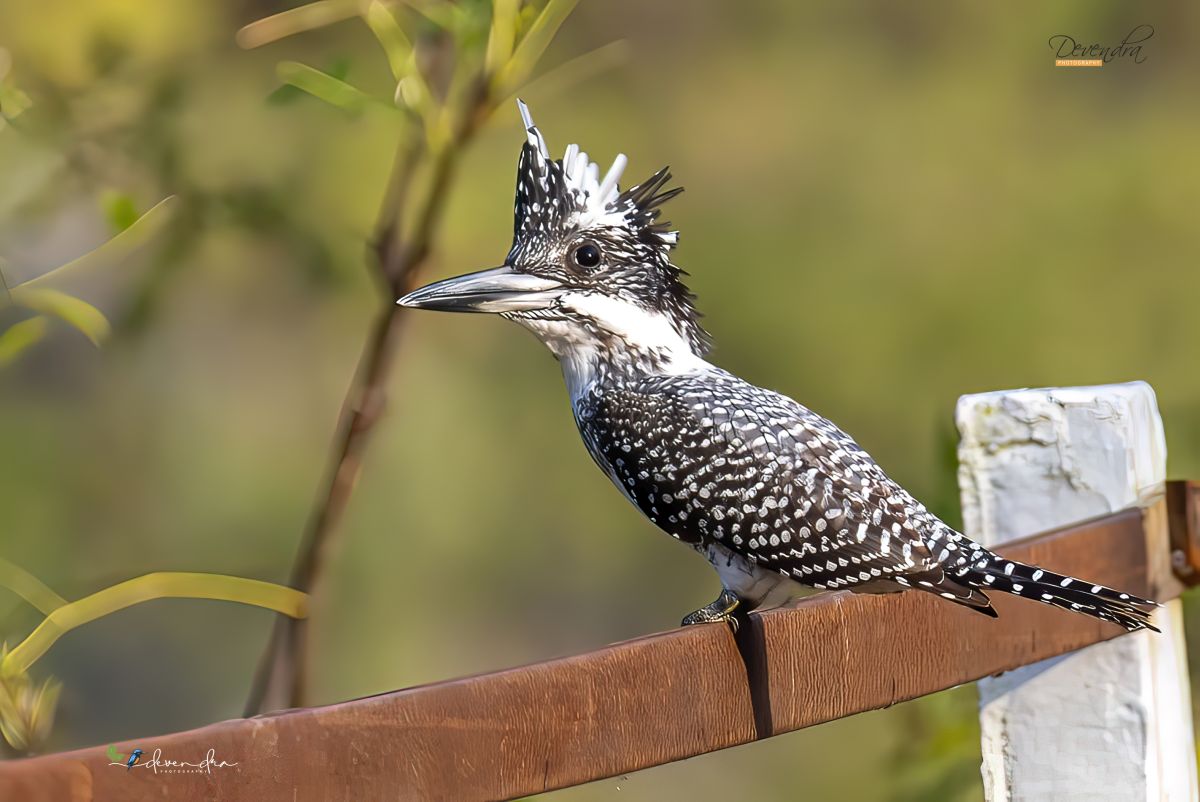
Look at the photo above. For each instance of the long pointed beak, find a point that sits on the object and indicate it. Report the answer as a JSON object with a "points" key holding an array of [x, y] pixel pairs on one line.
{"points": [[500, 289]]}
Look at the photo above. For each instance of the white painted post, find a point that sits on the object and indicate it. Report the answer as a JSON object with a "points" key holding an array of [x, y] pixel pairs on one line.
{"points": [[1113, 721]]}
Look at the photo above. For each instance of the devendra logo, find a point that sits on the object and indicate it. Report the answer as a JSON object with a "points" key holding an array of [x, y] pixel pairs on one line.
{"points": [[1071, 53], [163, 765]]}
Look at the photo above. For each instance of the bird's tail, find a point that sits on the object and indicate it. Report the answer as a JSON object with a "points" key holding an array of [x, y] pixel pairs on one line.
{"points": [[956, 589], [1058, 590]]}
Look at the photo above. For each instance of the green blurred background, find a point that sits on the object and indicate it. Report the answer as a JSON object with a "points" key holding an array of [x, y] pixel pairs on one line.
{"points": [[886, 207]]}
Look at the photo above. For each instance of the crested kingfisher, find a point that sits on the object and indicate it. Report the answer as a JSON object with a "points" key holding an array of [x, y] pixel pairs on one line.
{"points": [[774, 495]]}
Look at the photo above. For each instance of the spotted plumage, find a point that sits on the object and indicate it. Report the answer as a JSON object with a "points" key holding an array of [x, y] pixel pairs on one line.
{"points": [[774, 495]]}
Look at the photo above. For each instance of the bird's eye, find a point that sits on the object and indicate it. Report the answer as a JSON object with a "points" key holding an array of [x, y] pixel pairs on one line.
{"points": [[586, 256]]}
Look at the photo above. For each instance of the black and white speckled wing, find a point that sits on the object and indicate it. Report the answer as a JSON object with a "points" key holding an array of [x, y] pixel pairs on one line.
{"points": [[709, 457], [715, 461]]}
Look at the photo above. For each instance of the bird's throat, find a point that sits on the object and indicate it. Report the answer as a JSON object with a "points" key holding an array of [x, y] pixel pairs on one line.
{"points": [[599, 339]]}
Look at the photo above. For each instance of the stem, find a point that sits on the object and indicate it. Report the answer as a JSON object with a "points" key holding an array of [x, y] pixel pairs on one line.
{"points": [[29, 587], [162, 585], [281, 679]]}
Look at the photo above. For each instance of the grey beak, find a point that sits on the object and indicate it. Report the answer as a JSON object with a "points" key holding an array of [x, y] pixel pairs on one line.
{"points": [[500, 289]]}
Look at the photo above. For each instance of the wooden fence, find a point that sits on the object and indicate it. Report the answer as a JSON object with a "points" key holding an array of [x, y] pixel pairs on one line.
{"points": [[648, 701]]}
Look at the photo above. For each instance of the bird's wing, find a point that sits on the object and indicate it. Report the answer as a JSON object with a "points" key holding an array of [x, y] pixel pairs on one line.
{"points": [[790, 491]]}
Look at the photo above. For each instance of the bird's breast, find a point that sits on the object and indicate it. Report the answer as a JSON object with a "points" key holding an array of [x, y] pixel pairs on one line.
{"points": [[653, 452]]}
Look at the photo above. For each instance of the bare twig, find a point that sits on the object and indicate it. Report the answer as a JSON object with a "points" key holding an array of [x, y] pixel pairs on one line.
{"points": [[281, 679], [451, 110]]}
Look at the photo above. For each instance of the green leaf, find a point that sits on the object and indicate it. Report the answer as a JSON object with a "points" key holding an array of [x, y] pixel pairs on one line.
{"points": [[502, 35], [26, 712], [25, 584], [78, 313], [12, 724], [323, 86], [412, 91], [160, 585], [114, 756], [42, 706], [579, 69], [117, 248], [296, 20], [287, 93], [440, 14], [284, 94], [13, 102], [396, 44], [120, 210], [19, 337], [533, 45]]}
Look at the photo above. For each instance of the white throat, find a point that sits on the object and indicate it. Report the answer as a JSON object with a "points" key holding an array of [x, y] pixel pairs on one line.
{"points": [[609, 337]]}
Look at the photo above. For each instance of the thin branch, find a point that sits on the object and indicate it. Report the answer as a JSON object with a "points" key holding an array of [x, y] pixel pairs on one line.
{"points": [[281, 678], [389, 227], [449, 123]]}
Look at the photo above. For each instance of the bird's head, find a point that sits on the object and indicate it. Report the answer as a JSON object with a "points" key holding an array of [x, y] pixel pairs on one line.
{"points": [[589, 266]]}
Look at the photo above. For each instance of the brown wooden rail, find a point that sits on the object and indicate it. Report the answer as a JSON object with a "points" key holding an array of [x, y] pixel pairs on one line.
{"points": [[632, 705]]}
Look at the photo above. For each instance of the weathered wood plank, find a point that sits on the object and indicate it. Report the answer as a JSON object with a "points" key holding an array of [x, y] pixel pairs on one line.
{"points": [[1183, 510], [619, 709]]}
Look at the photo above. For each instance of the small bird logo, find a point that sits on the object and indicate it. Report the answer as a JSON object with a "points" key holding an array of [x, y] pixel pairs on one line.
{"points": [[133, 758]]}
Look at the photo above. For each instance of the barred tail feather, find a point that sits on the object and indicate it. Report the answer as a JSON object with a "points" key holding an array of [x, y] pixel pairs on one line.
{"points": [[1058, 590], [954, 589]]}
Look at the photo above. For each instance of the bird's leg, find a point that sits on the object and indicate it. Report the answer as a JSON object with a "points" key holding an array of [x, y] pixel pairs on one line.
{"points": [[720, 610]]}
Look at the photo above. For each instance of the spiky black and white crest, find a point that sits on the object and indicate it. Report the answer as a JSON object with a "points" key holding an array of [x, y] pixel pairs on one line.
{"points": [[556, 197]]}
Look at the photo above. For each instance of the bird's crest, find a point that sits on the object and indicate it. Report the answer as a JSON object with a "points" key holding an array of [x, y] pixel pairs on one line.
{"points": [[570, 190], [554, 196]]}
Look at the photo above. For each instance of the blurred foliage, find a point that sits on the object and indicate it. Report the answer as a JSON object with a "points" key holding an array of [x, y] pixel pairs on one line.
{"points": [[46, 302], [26, 710], [13, 101], [938, 757], [887, 206], [448, 84], [510, 36], [120, 210]]}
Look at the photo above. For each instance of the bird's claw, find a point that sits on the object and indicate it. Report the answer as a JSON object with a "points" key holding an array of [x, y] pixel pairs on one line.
{"points": [[720, 610]]}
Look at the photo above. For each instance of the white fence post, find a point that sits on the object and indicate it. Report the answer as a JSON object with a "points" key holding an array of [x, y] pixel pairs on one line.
{"points": [[1113, 721]]}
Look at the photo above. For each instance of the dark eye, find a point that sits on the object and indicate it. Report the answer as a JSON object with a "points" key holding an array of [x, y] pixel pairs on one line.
{"points": [[586, 256]]}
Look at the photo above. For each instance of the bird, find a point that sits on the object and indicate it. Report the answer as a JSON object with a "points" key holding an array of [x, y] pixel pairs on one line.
{"points": [[776, 497], [133, 759]]}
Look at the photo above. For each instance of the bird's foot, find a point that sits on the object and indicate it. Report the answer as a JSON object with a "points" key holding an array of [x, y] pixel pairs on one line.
{"points": [[720, 610]]}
